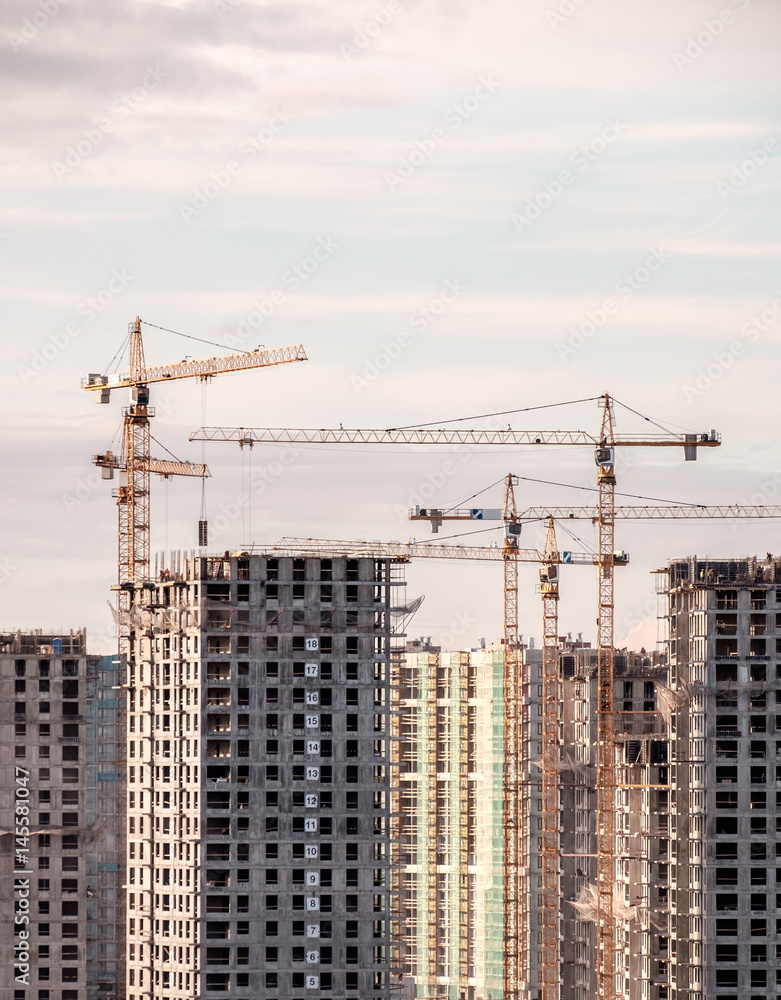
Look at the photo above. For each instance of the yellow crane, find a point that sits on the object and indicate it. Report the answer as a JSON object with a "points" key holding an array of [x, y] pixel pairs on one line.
{"points": [[604, 443], [135, 462]]}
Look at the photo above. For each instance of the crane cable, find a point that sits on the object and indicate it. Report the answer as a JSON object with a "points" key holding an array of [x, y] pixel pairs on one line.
{"points": [[650, 420], [116, 357], [472, 497], [161, 445], [501, 413], [633, 496], [189, 336], [573, 486]]}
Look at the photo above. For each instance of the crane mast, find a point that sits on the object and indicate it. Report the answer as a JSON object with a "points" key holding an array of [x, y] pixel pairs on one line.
{"points": [[551, 698], [516, 906], [606, 781], [133, 493]]}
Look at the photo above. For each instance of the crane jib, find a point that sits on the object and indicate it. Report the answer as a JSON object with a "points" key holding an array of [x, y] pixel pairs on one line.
{"points": [[205, 368], [424, 436]]}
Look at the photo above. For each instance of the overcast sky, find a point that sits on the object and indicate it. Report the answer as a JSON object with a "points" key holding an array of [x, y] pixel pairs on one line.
{"points": [[458, 208]]}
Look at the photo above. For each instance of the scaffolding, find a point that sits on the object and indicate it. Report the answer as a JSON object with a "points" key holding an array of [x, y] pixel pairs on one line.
{"points": [[451, 760]]}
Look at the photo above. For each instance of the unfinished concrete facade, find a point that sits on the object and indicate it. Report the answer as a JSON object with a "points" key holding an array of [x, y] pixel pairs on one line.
{"points": [[642, 832], [61, 797], [260, 787], [725, 912]]}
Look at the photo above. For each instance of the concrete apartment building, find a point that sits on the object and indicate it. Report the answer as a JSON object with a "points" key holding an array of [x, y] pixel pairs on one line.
{"points": [[261, 793], [451, 853], [451, 838], [725, 763], [60, 800], [643, 847], [697, 847]]}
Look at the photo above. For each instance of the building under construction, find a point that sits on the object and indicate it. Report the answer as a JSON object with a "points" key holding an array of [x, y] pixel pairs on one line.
{"points": [[725, 766], [642, 774], [453, 756], [262, 797], [450, 853], [61, 799]]}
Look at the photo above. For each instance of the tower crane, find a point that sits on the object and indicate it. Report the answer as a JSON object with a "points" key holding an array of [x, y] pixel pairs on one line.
{"points": [[135, 463], [604, 445]]}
